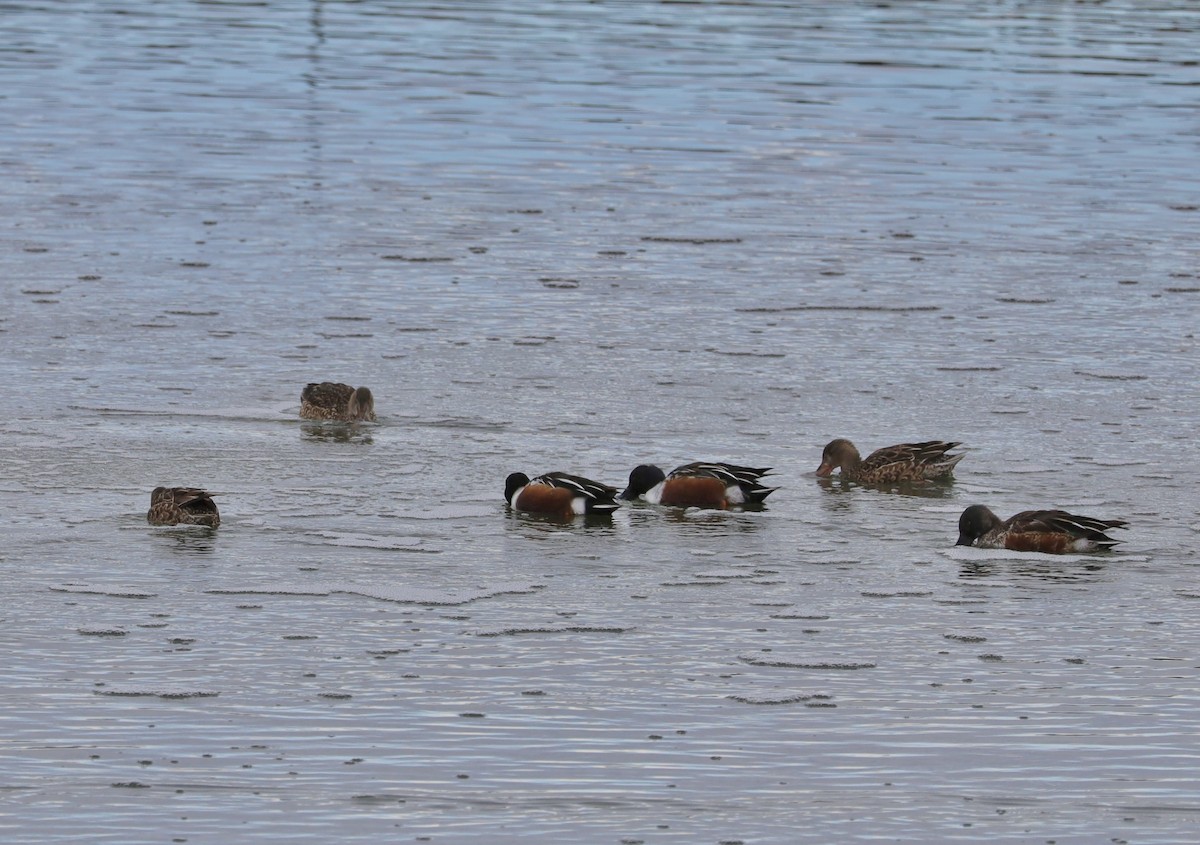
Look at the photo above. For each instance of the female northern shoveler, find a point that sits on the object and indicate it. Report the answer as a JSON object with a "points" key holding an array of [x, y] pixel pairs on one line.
{"points": [[701, 485], [182, 505], [559, 494], [1053, 532], [333, 401], [893, 464]]}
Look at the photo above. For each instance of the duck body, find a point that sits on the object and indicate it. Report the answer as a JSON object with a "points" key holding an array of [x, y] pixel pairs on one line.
{"points": [[328, 400], [926, 461], [1048, 531], [559, 494], [182, 506], [700, 485]]}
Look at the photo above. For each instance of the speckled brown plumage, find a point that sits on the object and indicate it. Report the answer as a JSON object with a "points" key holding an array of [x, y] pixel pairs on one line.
{"points": [[904, 462], [329, 400], [182, 506]]}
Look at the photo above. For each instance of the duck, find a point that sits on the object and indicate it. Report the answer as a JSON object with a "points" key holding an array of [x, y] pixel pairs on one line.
{"points": [[700, 484], [559, 494], [1049, 531], [182, 506], [328, 400], [927, 461]]}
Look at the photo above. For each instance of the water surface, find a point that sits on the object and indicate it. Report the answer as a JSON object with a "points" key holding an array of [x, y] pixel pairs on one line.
{"points": [[581, 238]]}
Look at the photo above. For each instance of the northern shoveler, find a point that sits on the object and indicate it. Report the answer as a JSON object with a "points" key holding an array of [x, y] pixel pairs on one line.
{"points": [[182, 505], [329, 400], [559, 494], [700, 484], [1054, 532], [926, 461]]}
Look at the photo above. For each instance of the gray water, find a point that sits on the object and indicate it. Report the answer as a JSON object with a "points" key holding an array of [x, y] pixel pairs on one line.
{"points": [[582, 237]]}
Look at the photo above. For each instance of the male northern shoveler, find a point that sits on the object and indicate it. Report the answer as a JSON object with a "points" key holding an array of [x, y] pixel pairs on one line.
{"points": [[334, 401], [926, 461], [182, 505], [559, 494], [700, 484], [1054, 532]]}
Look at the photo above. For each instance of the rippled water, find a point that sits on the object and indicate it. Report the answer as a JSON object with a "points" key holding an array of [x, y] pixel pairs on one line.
{"points": [[583, 237]]}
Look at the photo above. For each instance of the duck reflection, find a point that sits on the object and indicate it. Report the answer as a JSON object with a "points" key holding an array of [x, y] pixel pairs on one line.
{"points": [[703, 520], [188, 539], [940, 489], [546, 524], [716, 522], [1057, 571], [335, 432]]}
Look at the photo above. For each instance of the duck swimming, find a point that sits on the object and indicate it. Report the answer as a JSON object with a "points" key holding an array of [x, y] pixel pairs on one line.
{"points": [[182, 506], [329, 400]]}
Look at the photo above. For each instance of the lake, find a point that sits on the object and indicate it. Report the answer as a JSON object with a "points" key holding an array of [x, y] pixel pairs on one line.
{"points": [[583, 237]]}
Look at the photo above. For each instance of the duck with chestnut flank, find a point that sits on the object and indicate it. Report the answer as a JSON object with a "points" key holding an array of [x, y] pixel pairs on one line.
{"points": [[559, 494], [701, 484], [1051, 531]]}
